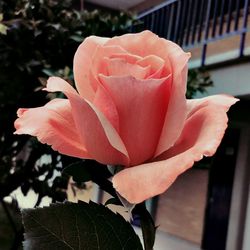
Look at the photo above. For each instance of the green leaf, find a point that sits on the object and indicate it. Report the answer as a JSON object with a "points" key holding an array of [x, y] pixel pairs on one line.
{"points": [[48, 72], [78, 171], [77, 38], [80, 226], [91, 170]]}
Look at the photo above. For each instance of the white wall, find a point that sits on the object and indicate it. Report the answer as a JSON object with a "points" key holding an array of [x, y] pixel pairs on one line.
{"points": [[233, 80]]}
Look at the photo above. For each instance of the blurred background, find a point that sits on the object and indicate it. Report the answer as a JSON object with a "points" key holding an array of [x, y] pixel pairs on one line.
{"points": [[208, 207]]}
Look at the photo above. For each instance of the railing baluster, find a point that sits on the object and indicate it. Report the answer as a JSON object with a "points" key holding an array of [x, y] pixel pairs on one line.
{"points": [[215, 18], [201, 18], [162, 22], [156, 21], [189, 22], [244, 28], [229, 15], [221, 16], [166, 21], [207, 24], [170, 25], [152, 21], [237, 14], [146, 25], [204, 48], [194, 21], [177, 24], [189, 17], [142, 22], [182, 28]]}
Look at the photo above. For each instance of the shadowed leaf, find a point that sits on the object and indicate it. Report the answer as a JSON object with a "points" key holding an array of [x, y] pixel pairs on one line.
{"points": [[80, 226], [78, 171]]}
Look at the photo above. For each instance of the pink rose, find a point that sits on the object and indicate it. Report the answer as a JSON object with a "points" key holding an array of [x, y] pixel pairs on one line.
{"points": [[130, 110]]}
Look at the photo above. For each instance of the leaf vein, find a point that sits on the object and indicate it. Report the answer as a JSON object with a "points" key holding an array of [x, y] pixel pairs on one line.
{"points": [[51, 232]]}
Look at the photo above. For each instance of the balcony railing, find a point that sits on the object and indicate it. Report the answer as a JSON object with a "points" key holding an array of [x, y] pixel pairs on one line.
{"points": [[196, 23]]}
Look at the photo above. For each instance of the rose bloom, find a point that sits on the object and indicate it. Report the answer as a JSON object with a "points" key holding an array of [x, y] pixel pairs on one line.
{"points": [[130, 109]]}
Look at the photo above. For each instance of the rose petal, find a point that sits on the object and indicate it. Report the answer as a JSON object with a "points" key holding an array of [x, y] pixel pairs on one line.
{"points": [[221, 100], [157, 65], [201, 135], [177, 109], [98, 64], [127, 57], [172, 54], [101, 139], [82, 65], [154, 46], [140, 125], [52, 124], [105, 104], [135, 43], [213, 108], [141, 182], [176, 59], [119, 67]]}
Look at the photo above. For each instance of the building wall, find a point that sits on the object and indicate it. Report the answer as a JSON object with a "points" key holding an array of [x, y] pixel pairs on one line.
{"points": [[181, 208], [233, 80]]}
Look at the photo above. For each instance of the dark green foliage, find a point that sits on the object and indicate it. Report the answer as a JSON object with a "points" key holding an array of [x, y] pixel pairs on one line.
{"points": [[10, 233], [78, 171], [77, 226], [198, 81], [41, 39], [93, 170]]}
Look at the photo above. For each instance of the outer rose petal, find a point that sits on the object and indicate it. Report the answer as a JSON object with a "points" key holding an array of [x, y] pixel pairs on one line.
{"points": [[101, 139], [82, 65], [140, 44], [221, 100], [177, 109], [212, 107], [52, 124], [154, 46], [201, 135]]}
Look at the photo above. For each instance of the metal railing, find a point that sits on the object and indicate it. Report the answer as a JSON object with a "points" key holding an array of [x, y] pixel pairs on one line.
{"points": [[193, 23]]}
